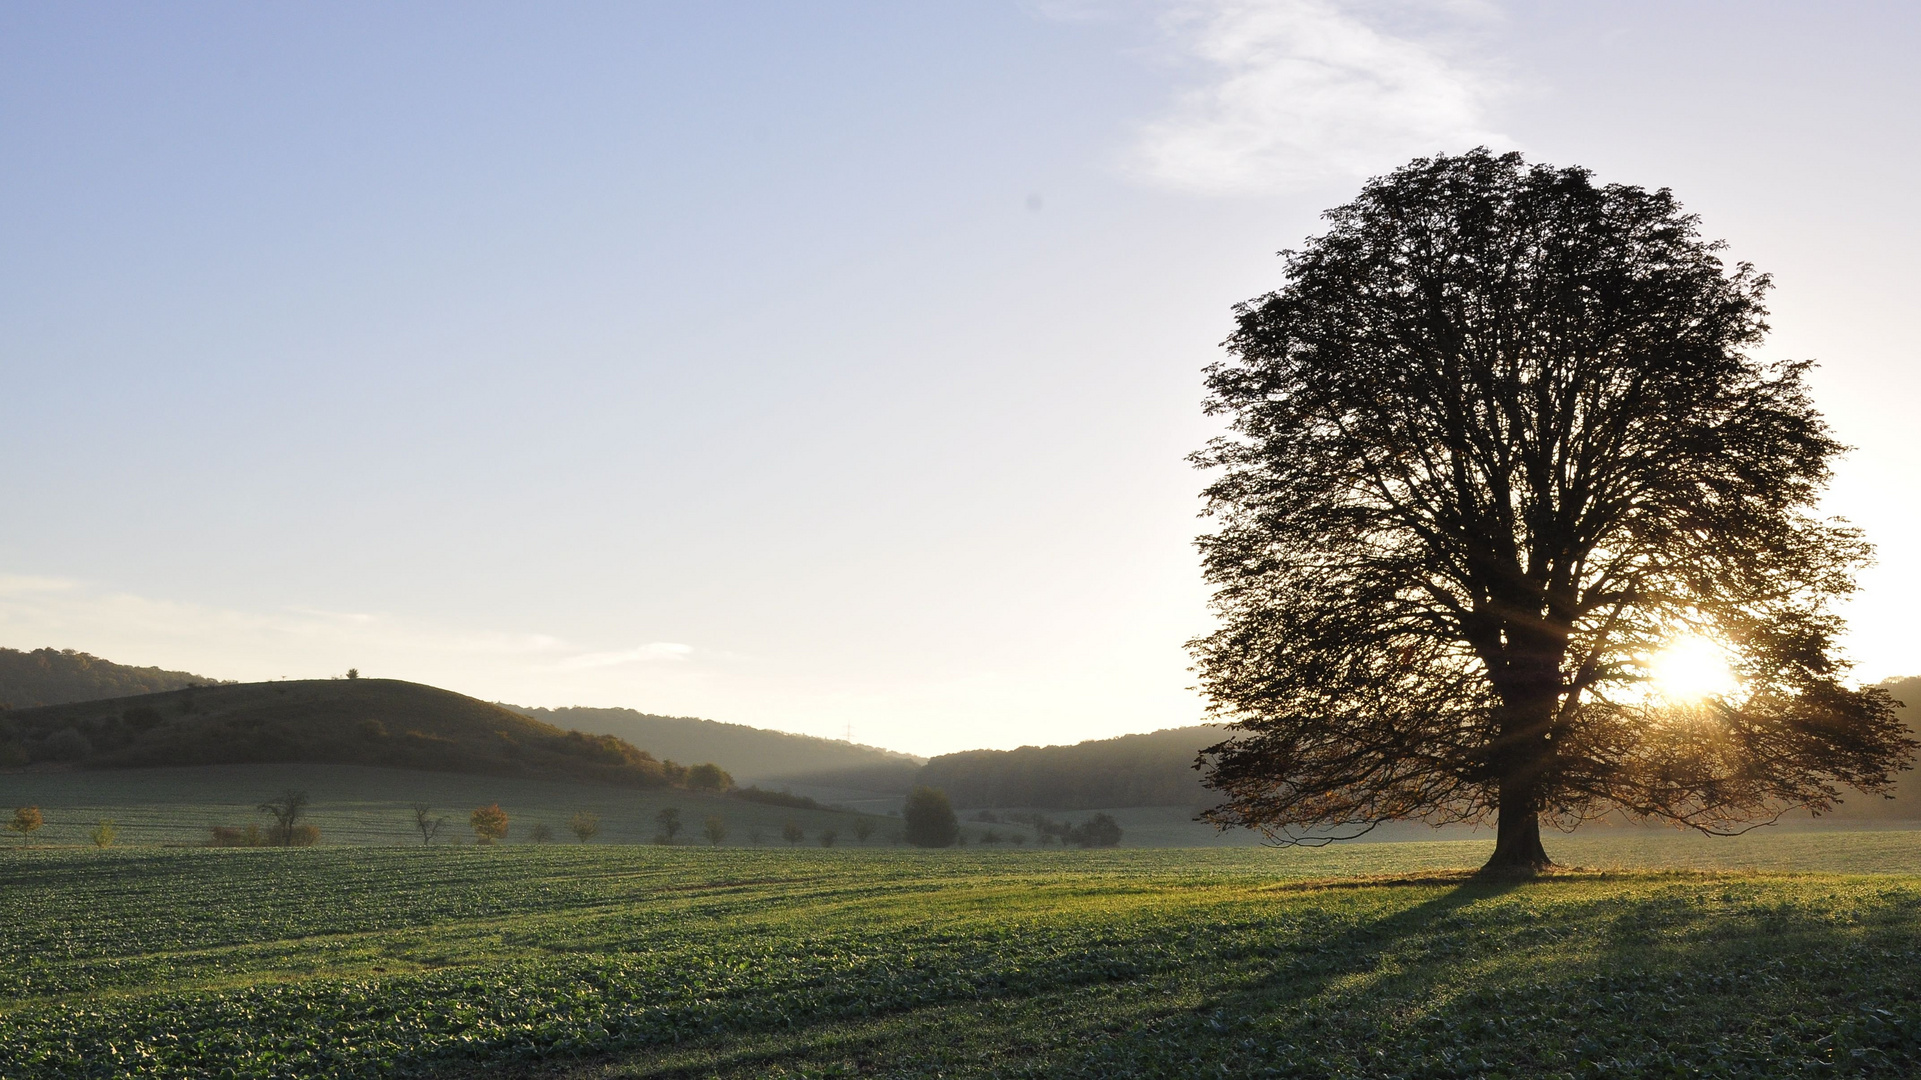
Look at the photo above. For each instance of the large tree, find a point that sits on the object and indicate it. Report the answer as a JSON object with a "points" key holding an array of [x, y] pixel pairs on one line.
{"points": [[1498, 440]]}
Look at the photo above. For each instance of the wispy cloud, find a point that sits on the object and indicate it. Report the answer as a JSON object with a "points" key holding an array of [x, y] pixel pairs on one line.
{"points": [[654, 652], [1302, 92]]}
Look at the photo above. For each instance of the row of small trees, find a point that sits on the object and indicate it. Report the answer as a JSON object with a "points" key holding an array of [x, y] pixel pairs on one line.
{"points": [[27, 820], [929, 817]]}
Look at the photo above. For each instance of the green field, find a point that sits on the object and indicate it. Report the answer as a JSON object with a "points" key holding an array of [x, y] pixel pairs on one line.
{"points": [[361, 805], [648, 961]]}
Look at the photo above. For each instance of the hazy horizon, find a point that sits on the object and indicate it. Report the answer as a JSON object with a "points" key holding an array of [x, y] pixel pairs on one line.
{"points": [[808, 370]]}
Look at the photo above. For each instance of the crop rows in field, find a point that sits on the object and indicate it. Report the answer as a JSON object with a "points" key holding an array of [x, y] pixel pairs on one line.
{"points": [[391, 962]]}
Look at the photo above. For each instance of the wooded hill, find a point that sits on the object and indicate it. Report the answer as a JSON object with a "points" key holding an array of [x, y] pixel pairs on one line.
{"points": [[334, 721], [1155, 769], [57, 676], [745, 751]]}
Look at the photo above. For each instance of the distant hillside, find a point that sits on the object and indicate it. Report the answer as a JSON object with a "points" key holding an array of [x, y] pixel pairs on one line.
{"points": [[58, 676], [335, 721], [741, 750], [1906, 804], [1156, 769]]}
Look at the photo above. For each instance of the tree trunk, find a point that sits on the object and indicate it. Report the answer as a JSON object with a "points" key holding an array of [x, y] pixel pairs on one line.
{"points": [[1517, 844]]}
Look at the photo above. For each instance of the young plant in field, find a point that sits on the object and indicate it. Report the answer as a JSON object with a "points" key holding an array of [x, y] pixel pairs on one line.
{"points": [[25, 821], [103, 834], [489, 823], [585, 826]]}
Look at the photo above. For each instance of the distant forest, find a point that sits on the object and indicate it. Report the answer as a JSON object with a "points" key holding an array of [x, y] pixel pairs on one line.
{"points": [[1155, 769], [59, 676]]}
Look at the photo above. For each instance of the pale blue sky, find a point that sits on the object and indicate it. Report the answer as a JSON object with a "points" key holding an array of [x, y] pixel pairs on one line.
{"points": [[798, 366]]}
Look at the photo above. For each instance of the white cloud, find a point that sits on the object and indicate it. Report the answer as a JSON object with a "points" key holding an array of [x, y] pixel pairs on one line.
{"points": [[1302, 92], [650, 653]]}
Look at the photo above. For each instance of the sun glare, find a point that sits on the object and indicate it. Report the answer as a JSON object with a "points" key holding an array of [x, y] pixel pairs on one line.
{"points": [[1692, 669]]}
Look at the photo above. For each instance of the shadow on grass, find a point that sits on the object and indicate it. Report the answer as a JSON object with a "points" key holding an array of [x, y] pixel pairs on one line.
{"points": [[1691, 975]]}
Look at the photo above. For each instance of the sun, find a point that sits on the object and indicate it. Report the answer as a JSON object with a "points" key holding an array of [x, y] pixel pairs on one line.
{"points": [[1692, 669]]}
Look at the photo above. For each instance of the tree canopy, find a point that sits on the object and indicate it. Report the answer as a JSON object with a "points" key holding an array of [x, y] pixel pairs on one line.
{"points": [[1498, 440]]}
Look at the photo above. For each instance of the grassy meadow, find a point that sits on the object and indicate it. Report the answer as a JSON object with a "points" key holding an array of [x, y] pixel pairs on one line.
{"points": [[1375, 960]]}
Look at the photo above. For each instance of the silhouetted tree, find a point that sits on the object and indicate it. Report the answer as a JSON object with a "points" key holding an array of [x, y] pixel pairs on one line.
{"points": [[489, 823], [792, 833], [1497, 439], [427, 823], [715, 829], [863, 828], [584, 825], [285, 811], [669, 821], [930, 818], [541, 833]]}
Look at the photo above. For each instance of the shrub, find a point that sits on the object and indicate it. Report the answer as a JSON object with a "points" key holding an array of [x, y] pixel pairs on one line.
{"points": [[709, 777], [67, 744], [103, 834], [776, 798], [293, 836], [26, 819], [930, 819], [716, 829], [1097, 831], [584, 825], [489, 823], [226, 836]]}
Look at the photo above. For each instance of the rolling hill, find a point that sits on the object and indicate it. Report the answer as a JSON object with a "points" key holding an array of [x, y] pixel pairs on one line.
{"points": [[335, 721], [744, 751], [58, 676]]}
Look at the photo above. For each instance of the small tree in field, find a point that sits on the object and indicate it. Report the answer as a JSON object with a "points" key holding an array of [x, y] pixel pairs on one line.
{"points": [[1498, 445], [715, 829], [541, 833], [827, 837], [103, 834], [286, 812], [669, 821], [930, 819], [863, 828], [792, 833], [427, 823], [489, 823], [26, 819], [585, 826]]}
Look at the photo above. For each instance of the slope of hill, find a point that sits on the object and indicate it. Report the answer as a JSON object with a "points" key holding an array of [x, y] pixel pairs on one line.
{"points": [[742, 750], [1155, 769], [58, 676], [335, 721]]}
